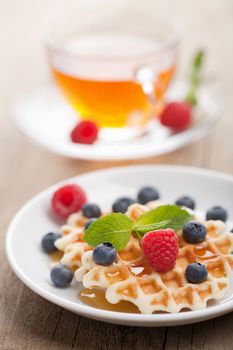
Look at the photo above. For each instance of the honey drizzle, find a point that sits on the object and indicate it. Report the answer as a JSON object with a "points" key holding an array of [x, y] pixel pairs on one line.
{"points": [[56, 256], [96, 298]]}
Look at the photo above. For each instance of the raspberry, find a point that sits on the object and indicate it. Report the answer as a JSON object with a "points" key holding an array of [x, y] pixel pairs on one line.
{"points": [[84, 132], [160, 248], [67, 200], [176, 115]]}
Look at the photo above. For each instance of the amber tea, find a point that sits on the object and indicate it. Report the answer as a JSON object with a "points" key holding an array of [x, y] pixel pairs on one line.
{"points": [[100, 82]]}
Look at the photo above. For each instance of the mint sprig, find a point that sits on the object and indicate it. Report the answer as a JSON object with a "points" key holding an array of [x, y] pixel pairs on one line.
{"points": [[195, 78], [165, 216], [116, 228]]}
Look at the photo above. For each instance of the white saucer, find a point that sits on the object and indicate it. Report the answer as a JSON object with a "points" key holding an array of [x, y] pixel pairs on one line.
{"points": [[34, 220], [43, 115]]}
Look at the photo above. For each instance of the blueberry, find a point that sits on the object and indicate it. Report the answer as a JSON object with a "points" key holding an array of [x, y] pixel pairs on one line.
{"points": [[186, 201], [147, 194], [91, 210], [196, 273], [48, 242], [89, 222], [61, 276], [231, 230], [194, 232], [121, 204], [217, 213], [104, 254]]}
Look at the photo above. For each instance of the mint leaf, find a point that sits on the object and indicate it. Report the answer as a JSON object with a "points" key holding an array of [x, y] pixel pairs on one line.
{"points": [[151, 227], [198, 60], [195, 78], [165, 216], [114, 228], [191, 98]]}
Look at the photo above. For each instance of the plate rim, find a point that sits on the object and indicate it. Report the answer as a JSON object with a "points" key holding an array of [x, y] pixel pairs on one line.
{"points": [[145, 320], [85, 152]]}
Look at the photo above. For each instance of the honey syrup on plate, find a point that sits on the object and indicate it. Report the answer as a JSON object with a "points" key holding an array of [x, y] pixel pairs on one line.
{"points": [[96, 298], [56, 256]]}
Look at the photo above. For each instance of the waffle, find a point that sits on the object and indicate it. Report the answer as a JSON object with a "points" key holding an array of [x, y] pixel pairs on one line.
{"points": [[130, 278], [73, 246]]}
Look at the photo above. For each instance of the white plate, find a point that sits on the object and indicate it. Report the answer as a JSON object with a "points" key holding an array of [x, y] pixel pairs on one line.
{"points": [[34, 220], [44, 116]]}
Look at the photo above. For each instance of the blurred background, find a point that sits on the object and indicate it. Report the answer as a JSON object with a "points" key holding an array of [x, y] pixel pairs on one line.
{"points": [[22, 23]]}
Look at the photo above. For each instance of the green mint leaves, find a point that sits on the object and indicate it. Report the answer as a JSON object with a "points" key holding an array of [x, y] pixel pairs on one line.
{"points": [[165, 216], [116, 228], [195, 78]]}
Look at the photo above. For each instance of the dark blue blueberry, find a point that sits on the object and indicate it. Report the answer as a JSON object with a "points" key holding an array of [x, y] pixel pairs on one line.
{"points": [[186, 201], [91, 210], [61, 276], [104, 254], [194, 232], [231, 230], [89, 222], [196, 273], [147, 194], [48, 242], [217, 213], [121, 204]]}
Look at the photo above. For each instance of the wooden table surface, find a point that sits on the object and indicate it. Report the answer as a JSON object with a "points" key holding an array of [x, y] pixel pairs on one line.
{"points": [[26, 320]]}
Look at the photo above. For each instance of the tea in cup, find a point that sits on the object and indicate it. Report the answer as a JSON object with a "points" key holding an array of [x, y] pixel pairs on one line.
{"points": [[99, 65]]}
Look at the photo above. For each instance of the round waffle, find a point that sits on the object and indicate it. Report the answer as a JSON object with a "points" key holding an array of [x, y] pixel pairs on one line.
{"points": [[130, 278]]}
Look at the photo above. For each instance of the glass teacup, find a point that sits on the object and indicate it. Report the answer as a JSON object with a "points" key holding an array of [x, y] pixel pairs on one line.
{"points": [[114, 67]]}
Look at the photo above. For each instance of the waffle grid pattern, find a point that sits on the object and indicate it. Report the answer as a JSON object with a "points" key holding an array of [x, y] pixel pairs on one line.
{"points": [[130, 278]]}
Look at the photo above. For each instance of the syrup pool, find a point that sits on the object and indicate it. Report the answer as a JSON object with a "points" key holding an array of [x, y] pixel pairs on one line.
{"points": [[56, 256], [96, 298]]}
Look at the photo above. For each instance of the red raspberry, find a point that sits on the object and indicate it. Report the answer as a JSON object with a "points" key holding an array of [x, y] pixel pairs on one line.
{"points": [[84, 132], [160, 248], [67, 200], [176, 115]]}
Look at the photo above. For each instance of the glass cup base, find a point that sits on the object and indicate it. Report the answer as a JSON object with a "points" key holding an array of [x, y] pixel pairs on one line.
{"points": [[112, 135]]}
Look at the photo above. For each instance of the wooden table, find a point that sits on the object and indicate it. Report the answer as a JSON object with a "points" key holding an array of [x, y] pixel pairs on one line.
{"points": [[26, 320]]}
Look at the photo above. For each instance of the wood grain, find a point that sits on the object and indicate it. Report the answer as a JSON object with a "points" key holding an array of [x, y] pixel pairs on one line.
{"points": [[26, 320]]}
